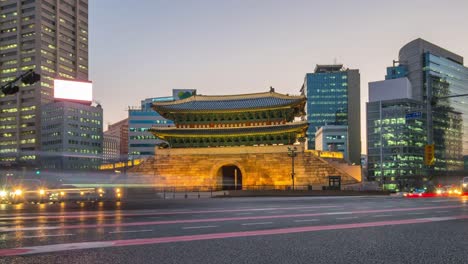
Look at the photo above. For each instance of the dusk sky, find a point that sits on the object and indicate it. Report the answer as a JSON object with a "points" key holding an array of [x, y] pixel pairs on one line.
{"points": [[146, 48]]}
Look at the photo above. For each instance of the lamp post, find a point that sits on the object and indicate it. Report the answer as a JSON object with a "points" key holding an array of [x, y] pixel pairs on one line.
{"points": [[292, 153]]}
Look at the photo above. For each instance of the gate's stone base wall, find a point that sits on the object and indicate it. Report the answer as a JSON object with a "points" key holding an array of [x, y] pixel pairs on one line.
{"points": [[263, 165]]}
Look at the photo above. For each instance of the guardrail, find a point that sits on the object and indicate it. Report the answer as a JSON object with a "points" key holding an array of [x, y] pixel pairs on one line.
{"points": [[197, 192]]}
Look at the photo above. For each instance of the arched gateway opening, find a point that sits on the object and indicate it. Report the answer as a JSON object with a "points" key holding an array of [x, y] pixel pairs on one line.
{"points": [[231, 177]]}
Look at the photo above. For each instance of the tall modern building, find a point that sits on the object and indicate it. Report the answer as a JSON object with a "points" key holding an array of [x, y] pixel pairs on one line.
{"points": [[401, 120], [50, 37], [436, 73], [333, 98], [396, 135]]}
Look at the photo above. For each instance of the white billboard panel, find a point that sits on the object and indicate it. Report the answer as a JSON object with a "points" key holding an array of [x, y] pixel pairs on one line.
{"points": [[72, 90]]}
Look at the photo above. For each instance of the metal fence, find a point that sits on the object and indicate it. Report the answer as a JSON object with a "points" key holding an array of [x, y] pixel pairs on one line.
{"points": [[197, 192]]}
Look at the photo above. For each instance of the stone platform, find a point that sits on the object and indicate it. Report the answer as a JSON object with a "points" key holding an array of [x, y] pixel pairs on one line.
{"points": [[255, 165]]}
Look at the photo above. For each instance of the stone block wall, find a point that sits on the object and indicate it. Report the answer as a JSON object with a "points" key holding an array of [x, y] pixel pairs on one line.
{"points": [[262, 165]]}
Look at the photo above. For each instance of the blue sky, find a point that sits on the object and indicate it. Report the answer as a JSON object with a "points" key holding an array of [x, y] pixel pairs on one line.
{"points": [[146, 48]]}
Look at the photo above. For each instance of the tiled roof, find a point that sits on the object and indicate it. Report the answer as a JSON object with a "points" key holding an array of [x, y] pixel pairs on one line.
{"points": [[229, 102]]}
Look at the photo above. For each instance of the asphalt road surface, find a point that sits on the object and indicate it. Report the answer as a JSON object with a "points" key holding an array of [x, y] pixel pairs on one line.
{"points": [[239, 230]]}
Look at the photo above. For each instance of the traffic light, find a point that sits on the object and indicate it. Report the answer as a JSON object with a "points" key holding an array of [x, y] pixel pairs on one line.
{"points": [[31, 78], [429, 157], [10, 89]]}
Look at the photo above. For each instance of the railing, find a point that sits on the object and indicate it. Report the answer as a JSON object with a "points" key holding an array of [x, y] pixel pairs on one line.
{"points": [[197, 192]]}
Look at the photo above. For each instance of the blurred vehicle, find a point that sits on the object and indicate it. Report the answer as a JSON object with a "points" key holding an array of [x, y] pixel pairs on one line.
{"points": [[28, 190], [110, 194], [448, 190], [4, 193], [464, 185], [453, 190], [73, 194]]}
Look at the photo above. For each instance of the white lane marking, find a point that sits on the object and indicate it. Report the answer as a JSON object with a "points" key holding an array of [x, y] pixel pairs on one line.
{"points": [[416, 213], [258, 223], [306, 220], [383, 215], [441, 211], [122, 243], [338, 213], [197, 227], [33, 228], [130, 231], [345, 218], [58, 235]]}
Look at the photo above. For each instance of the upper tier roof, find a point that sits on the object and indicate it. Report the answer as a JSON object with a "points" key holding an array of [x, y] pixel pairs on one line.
{"points": [[201, 103]]}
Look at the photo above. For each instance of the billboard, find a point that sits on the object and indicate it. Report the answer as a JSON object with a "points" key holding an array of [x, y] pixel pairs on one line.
{"points": [[73, 91]]}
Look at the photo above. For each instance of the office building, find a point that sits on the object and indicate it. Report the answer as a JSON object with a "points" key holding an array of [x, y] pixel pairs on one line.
{"points": [[141, 142], [120, 131], [332, 138], [401, 121], [395, 143], [71, 136], [51, 38], [110, 148], [436, 73], [333, 98]]}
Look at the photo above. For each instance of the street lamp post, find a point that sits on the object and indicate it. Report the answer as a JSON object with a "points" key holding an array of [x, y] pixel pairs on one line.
{"points": [[292, 153]]}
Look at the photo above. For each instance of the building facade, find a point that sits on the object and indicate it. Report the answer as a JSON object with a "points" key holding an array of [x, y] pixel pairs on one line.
{"points": [[395, 144], [110, 148], [333, 98], [436, 73], [120, 131], [51, 38], [402, 121], [141, 142], [332, 138], [71, 136]]}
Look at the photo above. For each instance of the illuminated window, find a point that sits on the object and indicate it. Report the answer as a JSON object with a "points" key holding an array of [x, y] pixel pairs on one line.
{"points": [[9, 46], [29, 67]]}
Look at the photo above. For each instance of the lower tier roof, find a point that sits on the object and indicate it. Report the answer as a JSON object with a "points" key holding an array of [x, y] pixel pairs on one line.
{"points": [[168, 132]]}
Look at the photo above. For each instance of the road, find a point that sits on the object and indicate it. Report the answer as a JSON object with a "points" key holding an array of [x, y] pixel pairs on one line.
{"points": [[239, 230]]}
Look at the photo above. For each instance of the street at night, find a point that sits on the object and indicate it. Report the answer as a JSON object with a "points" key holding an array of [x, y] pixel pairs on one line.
{"points": [[239, 230]]}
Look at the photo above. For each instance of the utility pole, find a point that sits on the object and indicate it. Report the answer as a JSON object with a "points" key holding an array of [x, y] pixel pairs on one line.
{"points": [[292, 152]]}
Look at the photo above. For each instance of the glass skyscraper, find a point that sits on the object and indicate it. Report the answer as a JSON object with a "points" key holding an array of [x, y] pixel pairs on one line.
{"points": [[414, 107], [445, 78], [333, 98]]}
